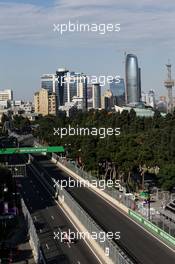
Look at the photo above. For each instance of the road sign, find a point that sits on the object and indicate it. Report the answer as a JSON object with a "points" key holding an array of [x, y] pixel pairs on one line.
{"points": [[28, 150]]}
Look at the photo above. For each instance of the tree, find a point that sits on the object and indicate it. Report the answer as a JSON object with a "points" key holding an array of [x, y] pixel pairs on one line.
{"points": [[166, 177]]}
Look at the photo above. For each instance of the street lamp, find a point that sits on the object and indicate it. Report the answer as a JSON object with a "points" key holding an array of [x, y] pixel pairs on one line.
{"points": [[14, 172], [148, 199]]}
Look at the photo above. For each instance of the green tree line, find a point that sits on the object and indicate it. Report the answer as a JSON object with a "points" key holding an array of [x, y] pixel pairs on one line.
{"points": [[147, 142]]}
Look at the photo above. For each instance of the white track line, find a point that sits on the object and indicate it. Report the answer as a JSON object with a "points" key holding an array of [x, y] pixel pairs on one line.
{"points": [[65, 213]]}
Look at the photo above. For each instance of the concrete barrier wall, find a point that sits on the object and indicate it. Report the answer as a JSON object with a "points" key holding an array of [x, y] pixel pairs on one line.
{"points": [[34, 240], [162, 235], [93, 188], [116, 256], [81, 228]]}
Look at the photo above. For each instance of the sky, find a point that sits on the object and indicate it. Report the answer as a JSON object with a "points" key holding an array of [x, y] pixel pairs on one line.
{"points": [[29, 47]]}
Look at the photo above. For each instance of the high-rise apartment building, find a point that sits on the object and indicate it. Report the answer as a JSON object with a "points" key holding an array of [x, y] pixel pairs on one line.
{"points": [[45, 102], [133, 80]]}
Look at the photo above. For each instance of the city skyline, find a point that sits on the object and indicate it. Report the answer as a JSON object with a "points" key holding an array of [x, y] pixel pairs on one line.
{"points": [[29, 47]]}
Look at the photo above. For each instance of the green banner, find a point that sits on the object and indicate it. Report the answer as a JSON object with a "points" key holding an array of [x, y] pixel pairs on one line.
{"points": [[30, 150], [152, 228]]}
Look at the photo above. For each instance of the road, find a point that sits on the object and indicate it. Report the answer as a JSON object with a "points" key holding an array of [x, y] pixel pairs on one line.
{"points": [[144, 248], [49, 218]]}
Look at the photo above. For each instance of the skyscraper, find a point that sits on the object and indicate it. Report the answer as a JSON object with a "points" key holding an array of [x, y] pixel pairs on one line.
{"points": [[118, 91], [96, 96], [107, 100], [75, 86], [66, 85], [89, 92], [140, 85], [49, 82], [61, 75], [133, 80]]}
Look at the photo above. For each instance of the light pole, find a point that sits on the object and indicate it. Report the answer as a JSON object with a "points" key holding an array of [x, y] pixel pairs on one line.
{"points": [[14, 171], [148, 200]]}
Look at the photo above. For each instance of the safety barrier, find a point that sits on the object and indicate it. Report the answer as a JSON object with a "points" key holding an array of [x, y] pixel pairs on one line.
{"points": [[152, 228]]}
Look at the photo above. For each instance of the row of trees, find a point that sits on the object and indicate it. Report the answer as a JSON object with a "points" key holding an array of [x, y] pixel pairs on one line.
{"points": [[145, 144]]}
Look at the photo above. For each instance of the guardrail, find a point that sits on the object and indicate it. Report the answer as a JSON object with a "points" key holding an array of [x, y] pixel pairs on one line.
{"points": [[152, 228], [114, 193], [114, 252], [34, 240]]}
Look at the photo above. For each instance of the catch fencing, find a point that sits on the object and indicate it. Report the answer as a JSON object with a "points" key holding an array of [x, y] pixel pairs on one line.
{"points": [[114, 252], [114, 193]]}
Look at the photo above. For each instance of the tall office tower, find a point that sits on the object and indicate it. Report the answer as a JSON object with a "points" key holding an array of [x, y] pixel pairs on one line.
{"points": [[89, 92], [133, 84], [118, 92], [75, 86], [61, 75], [96, 96], [6, 95], [89, 97], [45, 102], [107, 100], [49, 82], [140, 85]]}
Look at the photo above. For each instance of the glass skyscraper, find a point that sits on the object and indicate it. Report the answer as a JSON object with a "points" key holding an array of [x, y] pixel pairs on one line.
{"points": [[49, 82], [133, 80], [96, 95], [118, 91], [61, 75]]}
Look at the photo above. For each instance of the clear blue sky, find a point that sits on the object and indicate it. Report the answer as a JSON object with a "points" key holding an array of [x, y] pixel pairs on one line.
{"points": [[29, 47]]}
